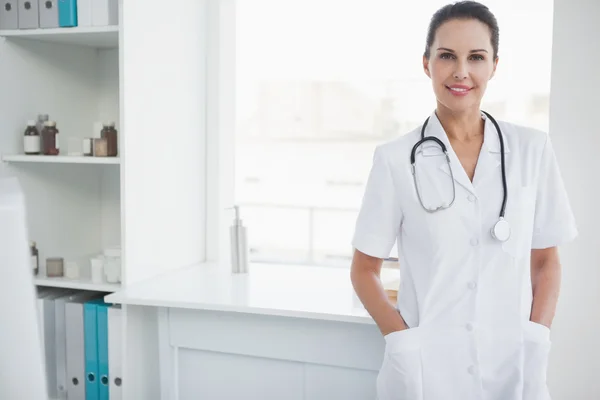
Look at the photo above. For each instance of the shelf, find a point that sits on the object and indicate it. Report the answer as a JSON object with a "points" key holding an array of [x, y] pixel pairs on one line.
{"points": [[81, 284], [98, 37], [21, 158]]}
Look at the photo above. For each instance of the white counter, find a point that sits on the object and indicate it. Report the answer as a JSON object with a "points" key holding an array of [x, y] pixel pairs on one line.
{"points": [[280, 331], [281, 290]]}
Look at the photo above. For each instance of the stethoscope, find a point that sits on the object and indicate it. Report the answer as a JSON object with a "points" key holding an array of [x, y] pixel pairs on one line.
{"points": [[501, 229]]}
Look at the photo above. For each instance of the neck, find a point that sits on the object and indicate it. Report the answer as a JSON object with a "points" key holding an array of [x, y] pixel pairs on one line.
{"points": [[464, 126]]}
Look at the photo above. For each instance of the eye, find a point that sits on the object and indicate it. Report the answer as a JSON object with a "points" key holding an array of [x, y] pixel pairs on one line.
{"points": [[477, 57], [446, 56]]}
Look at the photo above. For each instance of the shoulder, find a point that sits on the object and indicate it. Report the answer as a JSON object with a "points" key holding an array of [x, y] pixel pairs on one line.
{"points": [[526, 140], [397, 151]]}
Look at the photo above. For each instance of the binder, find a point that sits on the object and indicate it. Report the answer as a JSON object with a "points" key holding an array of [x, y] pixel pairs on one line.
{"points": [[48, 13], [75, 350], [102, 321], [49, 338], [105, 12], [67, 13], [28, 14], [60, 344], [84, 12], [62, 328], [114, 353], [90, 326], [9, 17]]}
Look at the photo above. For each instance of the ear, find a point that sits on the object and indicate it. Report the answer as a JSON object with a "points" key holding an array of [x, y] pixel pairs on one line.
{"points": [[495, 66], [426, 66]]}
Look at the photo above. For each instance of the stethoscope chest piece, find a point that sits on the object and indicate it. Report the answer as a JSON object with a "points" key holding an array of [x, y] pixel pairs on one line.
{"points": [[501, 230]]}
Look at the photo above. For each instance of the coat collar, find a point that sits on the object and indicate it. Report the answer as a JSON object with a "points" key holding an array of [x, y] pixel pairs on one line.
{"points": [[434, 127], [489, 157]]}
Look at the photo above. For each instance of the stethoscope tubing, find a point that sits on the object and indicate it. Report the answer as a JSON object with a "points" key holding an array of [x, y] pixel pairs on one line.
{"points": [[444, 149]]}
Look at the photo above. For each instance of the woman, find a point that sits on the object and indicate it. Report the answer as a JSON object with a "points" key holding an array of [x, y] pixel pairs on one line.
{"points": [[480, 276]]}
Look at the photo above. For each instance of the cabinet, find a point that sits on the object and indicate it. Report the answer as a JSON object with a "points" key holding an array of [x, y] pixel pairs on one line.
{"points": [[150, 75], [73, 203]]}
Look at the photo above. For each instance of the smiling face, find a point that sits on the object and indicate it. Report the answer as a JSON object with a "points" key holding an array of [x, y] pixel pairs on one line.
{"points": [[460, 64]]}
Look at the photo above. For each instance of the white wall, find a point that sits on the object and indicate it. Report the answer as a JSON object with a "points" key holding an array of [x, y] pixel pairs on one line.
{"points": [[575, 360]]}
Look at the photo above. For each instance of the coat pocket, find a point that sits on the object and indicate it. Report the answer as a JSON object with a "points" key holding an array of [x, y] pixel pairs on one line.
{"points": [[520, 211], [400, 376], [536, 351]]}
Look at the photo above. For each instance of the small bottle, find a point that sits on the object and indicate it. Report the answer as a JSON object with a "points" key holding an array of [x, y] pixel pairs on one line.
{"points": [[50, 139], [35, 259], [110, 134], [239, 245], [31, 139], [41, 119]]}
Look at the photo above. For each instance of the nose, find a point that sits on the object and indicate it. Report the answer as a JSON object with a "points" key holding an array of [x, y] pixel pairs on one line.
{"points": [[461, 71]]}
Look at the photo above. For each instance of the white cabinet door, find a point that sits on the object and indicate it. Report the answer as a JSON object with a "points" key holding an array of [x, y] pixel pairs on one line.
{"points": [[332, 383], [221, 376]]}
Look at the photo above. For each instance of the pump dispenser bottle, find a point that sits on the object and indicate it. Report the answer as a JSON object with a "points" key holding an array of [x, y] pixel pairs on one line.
{"points": [[239, 245]]}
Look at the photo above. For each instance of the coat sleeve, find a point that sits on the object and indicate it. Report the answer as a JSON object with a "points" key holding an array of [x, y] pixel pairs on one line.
{"points": [[554, 223], [379, 218]]}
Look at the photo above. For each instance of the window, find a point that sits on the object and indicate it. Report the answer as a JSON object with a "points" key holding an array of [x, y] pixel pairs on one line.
{"points": [[320, 83]]}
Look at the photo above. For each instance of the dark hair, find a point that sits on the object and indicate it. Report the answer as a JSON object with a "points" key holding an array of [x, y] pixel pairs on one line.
{"points": [[463, 10]]}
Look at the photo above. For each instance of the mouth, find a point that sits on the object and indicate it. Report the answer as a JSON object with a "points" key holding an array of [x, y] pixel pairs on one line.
{"points": [[459, 90]]}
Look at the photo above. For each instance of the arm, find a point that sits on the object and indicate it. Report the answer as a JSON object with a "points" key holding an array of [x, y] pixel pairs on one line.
{"points": [[545, 280], [365, 276]]}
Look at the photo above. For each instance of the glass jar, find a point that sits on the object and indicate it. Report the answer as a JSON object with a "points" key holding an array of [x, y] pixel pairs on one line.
{"points": [[55, 267], [110, 134], [32, 141], [41, 120], [100, 147], [50, 139], [35, 260]]}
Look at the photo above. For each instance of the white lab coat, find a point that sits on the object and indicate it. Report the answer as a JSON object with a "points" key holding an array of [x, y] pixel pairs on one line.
{"points": [[465, 296]]}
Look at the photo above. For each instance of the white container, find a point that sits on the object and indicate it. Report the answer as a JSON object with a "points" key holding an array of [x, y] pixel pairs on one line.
{"points": [[97, 268], [71, 270], [112, 265], [105, 12]]}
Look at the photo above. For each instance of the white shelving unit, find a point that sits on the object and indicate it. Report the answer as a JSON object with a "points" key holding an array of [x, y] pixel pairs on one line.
{"points": [[152, 200], [78, 284], [73, 203], [96, 37], [20, 158]]}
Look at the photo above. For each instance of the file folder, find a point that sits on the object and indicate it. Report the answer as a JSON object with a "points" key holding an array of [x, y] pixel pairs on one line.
{"points": [[102, 321], [71, 372], [75, 350], [114, 353], [67, 13], [49, 338], [90, 326]]}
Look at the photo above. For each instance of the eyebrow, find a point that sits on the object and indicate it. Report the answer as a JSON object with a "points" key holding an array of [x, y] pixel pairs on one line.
{"points": [[452, 51]]}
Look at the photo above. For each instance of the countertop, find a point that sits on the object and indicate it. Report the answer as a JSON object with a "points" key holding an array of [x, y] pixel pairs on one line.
{"points": [[314, 292]]}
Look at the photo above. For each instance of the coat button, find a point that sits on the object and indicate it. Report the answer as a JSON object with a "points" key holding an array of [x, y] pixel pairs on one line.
{"points": [[472, 285], [470, 327], [471, 198], [474, 242], [472, 370]]}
